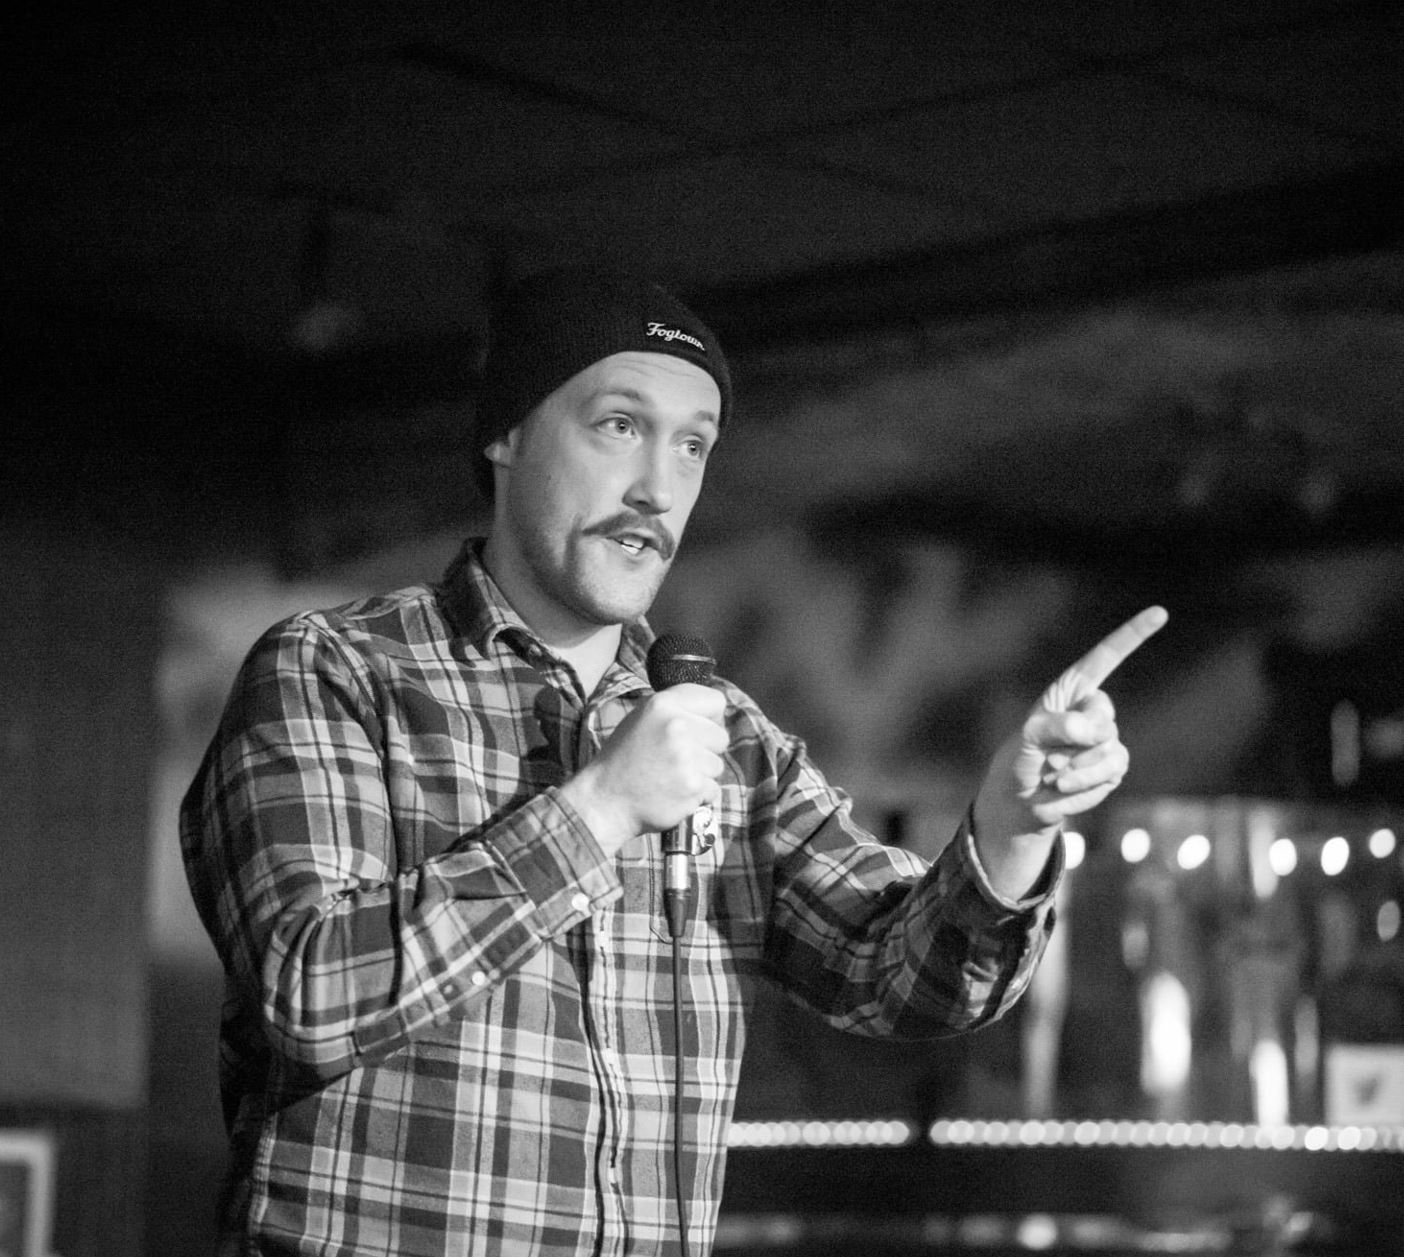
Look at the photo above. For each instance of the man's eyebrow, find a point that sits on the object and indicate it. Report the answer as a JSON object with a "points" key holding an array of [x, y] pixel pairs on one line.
{"points": [[640, 399], [619, 390]]}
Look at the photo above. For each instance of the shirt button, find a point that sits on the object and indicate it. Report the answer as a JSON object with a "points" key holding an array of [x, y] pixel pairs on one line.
{"points": [[580, 902], [478, 978]]}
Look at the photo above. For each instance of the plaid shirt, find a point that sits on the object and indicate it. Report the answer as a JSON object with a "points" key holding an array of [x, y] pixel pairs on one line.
{"points": [[448, 1023]]}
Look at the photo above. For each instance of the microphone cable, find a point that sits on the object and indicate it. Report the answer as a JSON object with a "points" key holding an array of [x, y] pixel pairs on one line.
{"points": [[678, 1194], [676, 659]]}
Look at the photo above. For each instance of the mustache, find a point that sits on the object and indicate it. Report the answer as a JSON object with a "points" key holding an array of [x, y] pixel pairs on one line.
{"points": [[632, 522]]}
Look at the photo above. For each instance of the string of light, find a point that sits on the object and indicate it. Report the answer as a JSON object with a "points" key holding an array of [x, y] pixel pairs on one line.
{"points": [[978, 1133]]}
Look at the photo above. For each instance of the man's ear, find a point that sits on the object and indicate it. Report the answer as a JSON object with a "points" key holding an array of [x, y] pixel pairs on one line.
{"points": [[502, 449]]}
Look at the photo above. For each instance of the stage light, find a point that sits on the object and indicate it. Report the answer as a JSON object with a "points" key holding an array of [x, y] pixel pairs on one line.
{"points": [[1335, 855], [1135, 845], [961, 1133], [1282, 856], [1387, 921], [1382, 843], [853, 1133], [1036, 1232], [1193, 852]]}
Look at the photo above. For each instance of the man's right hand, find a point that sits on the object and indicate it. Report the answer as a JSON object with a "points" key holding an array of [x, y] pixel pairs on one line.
{"points": [[656, 769]]}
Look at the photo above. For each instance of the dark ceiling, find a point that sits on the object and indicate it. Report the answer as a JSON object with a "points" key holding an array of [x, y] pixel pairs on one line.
{"points": [[333, 180]]}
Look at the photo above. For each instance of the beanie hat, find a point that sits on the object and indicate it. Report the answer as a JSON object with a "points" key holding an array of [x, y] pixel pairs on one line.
{"points": [[553, 324]]}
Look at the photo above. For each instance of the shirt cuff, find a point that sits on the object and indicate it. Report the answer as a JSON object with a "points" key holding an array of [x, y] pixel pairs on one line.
{"points": [[556, 859], [1043, 889]]}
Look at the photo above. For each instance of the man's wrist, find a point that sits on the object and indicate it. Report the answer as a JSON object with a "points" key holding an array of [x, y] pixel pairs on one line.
{"points": [[1013, 847], [604, 819]]}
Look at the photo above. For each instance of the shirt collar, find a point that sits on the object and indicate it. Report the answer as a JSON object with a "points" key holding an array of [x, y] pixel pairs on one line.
{"points": [[480, 613]]}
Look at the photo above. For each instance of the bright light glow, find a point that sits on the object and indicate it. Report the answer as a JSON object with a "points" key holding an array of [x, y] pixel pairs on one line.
{"points": [[1262, 829], [1382, 843], [816, 1134], [1282, 856], [1335, 855], [1267, 1070], [1074, 848], [1387, 921], [1145, 1134], [1037, 1231], [1193, 852], [1166, 1042], [1135, 845]]}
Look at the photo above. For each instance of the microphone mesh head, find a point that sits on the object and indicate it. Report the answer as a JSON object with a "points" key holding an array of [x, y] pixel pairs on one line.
{"points": [[680, 658]]}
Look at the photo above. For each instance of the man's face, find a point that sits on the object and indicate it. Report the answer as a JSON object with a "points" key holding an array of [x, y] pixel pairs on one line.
{"points": [[599, 482]]}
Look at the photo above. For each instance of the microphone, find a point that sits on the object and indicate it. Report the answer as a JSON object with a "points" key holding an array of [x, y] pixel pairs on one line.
{"points": [[677, 659]]}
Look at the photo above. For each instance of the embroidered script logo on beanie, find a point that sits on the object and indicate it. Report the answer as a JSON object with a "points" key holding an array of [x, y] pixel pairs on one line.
{"points": [[664, 332]]}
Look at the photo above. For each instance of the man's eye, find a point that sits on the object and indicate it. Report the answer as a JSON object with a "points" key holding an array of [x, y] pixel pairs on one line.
{"points": [[618, 425]]}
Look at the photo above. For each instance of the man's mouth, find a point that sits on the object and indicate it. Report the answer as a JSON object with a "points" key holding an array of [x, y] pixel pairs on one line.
{"points": [[632, 543], [634, 536]]}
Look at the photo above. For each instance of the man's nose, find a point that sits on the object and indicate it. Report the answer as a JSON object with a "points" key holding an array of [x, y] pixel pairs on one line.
{"points": [[651, 490]]}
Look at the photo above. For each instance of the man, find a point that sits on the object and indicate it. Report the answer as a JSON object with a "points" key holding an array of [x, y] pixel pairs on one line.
{"points": [[425, 842]]}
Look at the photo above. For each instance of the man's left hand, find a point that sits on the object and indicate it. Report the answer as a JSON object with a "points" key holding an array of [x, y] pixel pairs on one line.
{"points": [[1067, 757]]}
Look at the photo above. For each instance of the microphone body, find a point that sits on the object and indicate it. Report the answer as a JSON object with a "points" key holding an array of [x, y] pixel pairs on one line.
{"points": [[677, 659], [677, 877]]}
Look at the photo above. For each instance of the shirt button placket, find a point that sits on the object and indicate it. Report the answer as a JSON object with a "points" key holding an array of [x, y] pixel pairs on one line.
{"points": [[603, 997]]}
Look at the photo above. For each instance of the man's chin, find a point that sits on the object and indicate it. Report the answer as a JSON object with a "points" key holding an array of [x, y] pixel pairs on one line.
{"points": [[619, 602]]}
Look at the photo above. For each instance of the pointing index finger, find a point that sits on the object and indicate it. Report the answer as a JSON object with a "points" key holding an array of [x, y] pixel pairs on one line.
{"points": [[1107, 655]]}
